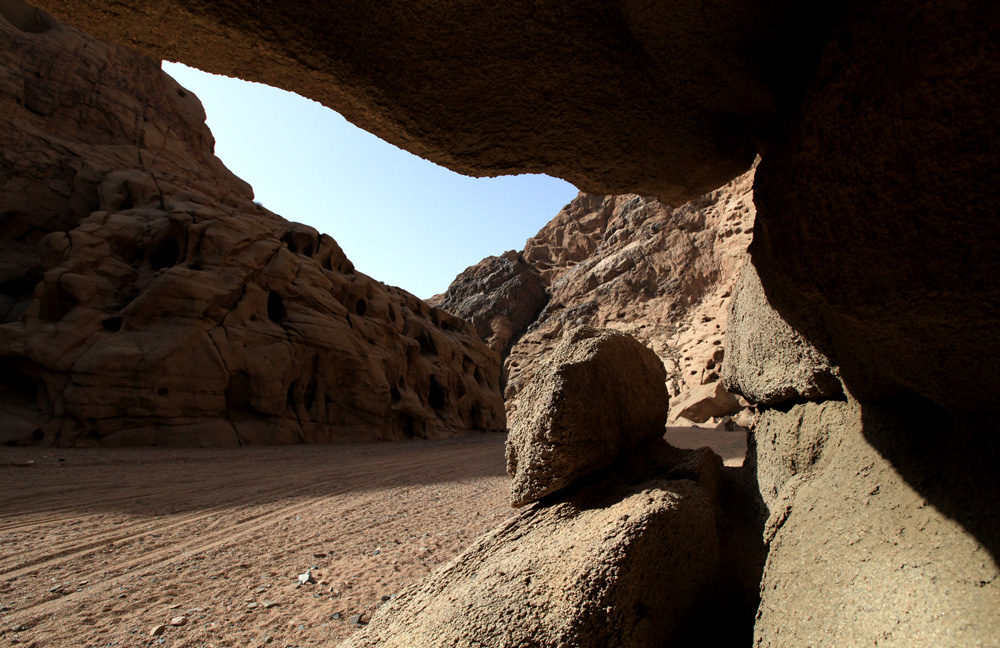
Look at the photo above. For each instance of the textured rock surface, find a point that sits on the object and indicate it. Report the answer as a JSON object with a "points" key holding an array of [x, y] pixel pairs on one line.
{"points": [[878, 232], [858, 554], [705, 402], [608, 564], [598, 394], [663, 275], [767, 361], [588, 91], [146, 300], [500, 296]]}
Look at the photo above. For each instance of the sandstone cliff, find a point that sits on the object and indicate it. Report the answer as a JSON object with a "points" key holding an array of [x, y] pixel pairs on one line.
{"points": [[145, 299], [632, 263]]}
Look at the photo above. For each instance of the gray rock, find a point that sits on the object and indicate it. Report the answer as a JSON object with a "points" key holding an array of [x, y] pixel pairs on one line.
{"points": [[767, 361], [599, 393]]}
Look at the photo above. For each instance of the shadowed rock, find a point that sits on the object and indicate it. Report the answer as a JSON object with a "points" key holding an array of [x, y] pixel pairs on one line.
{"points": [[613, 562], [599, 393], [767, 361]]}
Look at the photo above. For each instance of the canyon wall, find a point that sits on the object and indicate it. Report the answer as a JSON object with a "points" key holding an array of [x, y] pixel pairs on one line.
{"points": [[632, 263], [145, 299]]}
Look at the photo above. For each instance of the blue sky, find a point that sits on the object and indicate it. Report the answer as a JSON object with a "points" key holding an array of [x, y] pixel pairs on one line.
{"points": [[401, 219]]}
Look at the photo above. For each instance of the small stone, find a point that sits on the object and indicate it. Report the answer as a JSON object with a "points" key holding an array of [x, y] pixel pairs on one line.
{"points": [[319, 555], [376, 552], [306, 578], [18, 628], [179, 621], [335, 615], [157, 630], [386, 598], [270, 604], [175, 606], [252, 606], [354, 619]]}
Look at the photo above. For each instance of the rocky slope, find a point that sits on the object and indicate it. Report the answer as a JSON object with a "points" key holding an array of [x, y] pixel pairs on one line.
{"points": [[145, 299], [631, 263]]}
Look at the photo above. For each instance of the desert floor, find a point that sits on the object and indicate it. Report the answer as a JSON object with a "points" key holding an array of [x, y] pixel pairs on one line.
{"points": [[99, 547]]}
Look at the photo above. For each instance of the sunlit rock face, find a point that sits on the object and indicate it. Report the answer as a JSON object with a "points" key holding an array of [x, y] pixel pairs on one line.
{"points": [[147, 300]]}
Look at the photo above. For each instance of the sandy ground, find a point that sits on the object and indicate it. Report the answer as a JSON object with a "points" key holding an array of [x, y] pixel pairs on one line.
{"points": [[99, 547]]}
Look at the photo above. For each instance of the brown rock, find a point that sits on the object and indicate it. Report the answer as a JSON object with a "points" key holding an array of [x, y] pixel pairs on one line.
{"points": [[846, 527], [598, 394], [663, 275], [179, 621], [661, 98], [500, 296], [704, 402], [151, 302], [156, 631], [878, 226], [587, 569], [767, 361]]}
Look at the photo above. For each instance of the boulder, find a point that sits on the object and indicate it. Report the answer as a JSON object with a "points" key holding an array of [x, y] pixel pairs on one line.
{"points": [[704, 402], [767, 360], [599, 393], [609, 564]]}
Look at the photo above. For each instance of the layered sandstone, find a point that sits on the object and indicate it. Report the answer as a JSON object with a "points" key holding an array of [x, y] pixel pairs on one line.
{"points": [[147, 300]]}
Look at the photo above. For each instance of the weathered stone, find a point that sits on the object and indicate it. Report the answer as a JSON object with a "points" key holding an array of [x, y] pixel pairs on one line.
{"points": [[589, 568], [704, 402], [872, 541], [877, 225], [668, 99], [599, 393], [151, 302], [767, 361], [500, 296]]}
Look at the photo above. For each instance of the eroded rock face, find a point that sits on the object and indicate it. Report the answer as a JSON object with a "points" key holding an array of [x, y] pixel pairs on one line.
{"points": [[587, 569], [598, 394], [500, 296], [148, 301], [768, 361], [587, 91], [634, 264]]}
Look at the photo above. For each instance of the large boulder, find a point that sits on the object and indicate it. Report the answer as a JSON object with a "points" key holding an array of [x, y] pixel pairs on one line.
{"points": [[599, 393], [704, 402], [610, 564], [767, 361]]}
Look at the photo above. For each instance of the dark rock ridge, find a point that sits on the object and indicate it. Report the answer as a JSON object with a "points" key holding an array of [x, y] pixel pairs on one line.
{"points": [[146, 300]]}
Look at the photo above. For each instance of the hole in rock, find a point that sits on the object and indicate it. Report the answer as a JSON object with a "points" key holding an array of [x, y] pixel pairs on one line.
{"points": [[162, 391], [275, 307], [238, 393], [165, 254], [38, 435], [435, 397], [361, 307], [25, 17], [112, 324], [426, 344], [290, 396], [394, 394], [93, 435], [16, 387]]}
